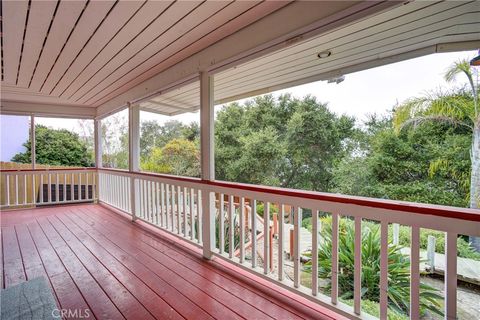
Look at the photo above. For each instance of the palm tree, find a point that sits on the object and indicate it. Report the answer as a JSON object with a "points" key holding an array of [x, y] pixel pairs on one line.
{"points": [[460, 109]]}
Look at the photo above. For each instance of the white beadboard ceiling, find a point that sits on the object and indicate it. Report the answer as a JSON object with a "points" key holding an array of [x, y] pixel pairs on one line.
{"points": [[79, 53], [76, 52], [400, 30]]}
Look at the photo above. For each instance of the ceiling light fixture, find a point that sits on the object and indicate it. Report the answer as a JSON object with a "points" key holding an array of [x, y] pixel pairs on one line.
{"points": [[324, 54]]}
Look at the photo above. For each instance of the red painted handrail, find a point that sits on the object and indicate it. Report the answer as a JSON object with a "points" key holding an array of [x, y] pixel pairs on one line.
{"points": [[430, 209], [48, 169], [413, 207]]}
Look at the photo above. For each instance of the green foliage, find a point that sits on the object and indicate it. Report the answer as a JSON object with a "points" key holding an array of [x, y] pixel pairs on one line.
{"points": [[399, 166], [115, 141], [178, 157], [56, 147], [155, 135], [261, 209], [398, 267], [373, 308], [464, 250], [226, 232], [284, 142]]}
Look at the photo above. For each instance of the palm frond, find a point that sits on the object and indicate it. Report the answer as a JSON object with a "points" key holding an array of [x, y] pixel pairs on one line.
{"points": [[454, 109], [458, 67]]}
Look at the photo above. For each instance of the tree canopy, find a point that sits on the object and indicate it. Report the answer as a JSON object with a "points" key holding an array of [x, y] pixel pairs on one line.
{"points": [[57, 147], [286, 142]]}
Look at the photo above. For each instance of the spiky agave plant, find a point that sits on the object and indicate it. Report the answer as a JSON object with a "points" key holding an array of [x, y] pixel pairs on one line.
{"points": [[398, 268]]}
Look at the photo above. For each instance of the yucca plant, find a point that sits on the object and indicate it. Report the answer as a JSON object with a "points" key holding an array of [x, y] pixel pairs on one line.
{"points": [[398, 268], [226, 232]]}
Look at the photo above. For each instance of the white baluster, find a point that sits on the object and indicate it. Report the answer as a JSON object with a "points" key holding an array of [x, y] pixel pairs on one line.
{"points": [[167, 210], [179, 211], [231, 227], [64, 187], [334, 280], [172, 205], [185, 211], [25, 200], [415, 274], [315, 252], [254, 233], [57, 192], [192, 214], [357, 275], [49, 187], [451, 276], [297, 222], [280, 241], [383, 270], [242, 230], [266, 237], [200, 219], [221, 226], [16, 189]]}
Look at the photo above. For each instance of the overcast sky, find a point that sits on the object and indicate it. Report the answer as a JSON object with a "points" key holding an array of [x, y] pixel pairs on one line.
{"points": [[370, 91]]}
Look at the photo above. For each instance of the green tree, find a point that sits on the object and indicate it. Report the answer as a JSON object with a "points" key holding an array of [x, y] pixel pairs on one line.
{"points": [[396, 166], [115, 141], [57, 147], [459, 109], [286, 142], [179, 157]]}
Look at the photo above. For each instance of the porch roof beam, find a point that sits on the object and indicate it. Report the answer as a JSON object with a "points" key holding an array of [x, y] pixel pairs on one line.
{"points": [[40, 109]]}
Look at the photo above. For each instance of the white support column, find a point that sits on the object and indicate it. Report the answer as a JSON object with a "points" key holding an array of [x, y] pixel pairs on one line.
{"points": [[32, 140], [97, 132], [133, 153], [207, 161], [134, 137]]}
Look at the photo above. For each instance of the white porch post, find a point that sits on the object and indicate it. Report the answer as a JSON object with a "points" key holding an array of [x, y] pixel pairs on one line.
{"points": [[207, 161], [133, 153], [97, 132], [32, 140], [97, 138]]}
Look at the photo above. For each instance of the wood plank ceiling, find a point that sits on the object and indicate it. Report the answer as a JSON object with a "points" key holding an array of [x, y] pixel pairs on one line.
{"points": [[77, 52], [403, 29], [81, 52]]}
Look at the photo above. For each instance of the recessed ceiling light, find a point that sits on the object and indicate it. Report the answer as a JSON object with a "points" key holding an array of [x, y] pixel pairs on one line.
{"points": [[324, 54]]}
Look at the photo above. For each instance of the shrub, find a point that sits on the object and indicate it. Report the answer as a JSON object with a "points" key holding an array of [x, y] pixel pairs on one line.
{"points": [[398, 267], [261, 209], [373, 308], [226, 232], [463, 247]]}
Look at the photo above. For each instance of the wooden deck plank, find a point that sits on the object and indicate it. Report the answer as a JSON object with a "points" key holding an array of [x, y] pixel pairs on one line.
{"points": [[31, 259], [176, 273], [88, 251], [13, 264], [192, 269], [100, 304], [68, 294], [122, 264], [192, 256], [128, 305]]}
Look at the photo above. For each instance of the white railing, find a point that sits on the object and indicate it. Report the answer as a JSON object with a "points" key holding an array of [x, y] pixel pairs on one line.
{"points": [[171, 204], [24, 188], [114, 190], [232, 229]]}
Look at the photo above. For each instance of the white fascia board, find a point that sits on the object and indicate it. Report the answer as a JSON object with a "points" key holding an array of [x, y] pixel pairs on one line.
{"points": [[50, 110], [295, 22]]}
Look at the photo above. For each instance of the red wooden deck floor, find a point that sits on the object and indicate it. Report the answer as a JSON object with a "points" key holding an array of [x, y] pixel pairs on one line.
{"points": [[99, 261]]}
